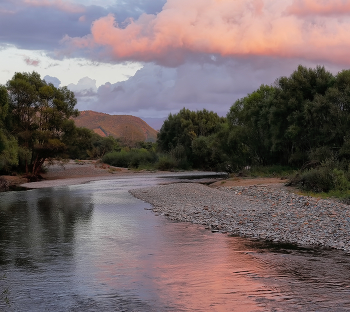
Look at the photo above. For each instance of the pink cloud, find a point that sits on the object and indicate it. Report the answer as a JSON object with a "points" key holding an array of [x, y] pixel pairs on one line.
{"points": [[31, 62], [59, 4], [221, 27], [319, 7]]}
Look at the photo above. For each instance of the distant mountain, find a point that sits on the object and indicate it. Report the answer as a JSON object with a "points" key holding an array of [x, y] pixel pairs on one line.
{"points": [[127, 128]]}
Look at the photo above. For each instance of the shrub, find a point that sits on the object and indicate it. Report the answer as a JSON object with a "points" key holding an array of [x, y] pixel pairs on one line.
{"points": [[117, 159], [316, 180], [141, 157], [133, 158], [166, 162], [324, 178], [341, 182]]}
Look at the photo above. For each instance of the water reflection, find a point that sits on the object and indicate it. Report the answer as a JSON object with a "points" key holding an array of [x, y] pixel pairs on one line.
{"points": [[306, 279], [94, 247], [38, 225]]}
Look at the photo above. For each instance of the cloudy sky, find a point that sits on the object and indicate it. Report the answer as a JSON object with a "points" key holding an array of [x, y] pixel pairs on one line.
{"points": [[148, 58]]}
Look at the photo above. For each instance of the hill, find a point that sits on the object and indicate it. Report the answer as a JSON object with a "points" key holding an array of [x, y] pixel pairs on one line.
{"points": [[128, 128]]}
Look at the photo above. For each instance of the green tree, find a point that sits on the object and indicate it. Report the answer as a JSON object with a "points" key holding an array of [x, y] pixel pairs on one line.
{"points": [[8, 144], [180, 130], [38, 112], [282, 124], [292, 129], [83, 143], [249, 121], [102, 145]]}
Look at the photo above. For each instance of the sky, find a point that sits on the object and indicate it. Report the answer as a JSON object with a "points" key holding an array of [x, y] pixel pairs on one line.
{"points": [[149, 58]]}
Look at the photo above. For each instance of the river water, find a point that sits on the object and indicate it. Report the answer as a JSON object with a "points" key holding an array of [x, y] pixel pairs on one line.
{"points": [[94, 247]]}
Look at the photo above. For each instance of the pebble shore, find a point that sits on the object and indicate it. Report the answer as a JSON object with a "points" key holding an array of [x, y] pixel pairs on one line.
{"points": [[255, 211]]}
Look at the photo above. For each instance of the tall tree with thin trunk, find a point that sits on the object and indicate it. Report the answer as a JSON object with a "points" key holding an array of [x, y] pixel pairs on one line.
{"points": [[38, 113]]}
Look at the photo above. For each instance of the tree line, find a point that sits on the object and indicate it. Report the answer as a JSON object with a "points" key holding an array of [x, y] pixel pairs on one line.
{"points": [[300, 121], [301, 118]]}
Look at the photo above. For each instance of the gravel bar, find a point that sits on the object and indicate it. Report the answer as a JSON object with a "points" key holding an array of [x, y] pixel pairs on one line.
{"points": [[255, 211]]}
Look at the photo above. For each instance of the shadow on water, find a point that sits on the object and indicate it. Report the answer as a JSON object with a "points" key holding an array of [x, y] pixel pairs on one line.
{"points": [[281, 247], [197, 176], [308, 279], [33, 221]]}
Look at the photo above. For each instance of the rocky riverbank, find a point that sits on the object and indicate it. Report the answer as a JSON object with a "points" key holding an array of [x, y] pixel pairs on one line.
{"points": [[254, 211]]}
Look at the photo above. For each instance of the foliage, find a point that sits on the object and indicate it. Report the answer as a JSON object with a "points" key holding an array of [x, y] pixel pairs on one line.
{"points": [[186, 132], [83, 143], [166, 162], [8, 144], [130, 158], [249, 122], [330, 175], [8, 151], [294, 121], [300, 121], [38, 112], [277, 171], [141, 158]]}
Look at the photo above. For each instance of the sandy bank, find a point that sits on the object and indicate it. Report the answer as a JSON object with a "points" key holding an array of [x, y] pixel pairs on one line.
{"points": [[76, 172]]}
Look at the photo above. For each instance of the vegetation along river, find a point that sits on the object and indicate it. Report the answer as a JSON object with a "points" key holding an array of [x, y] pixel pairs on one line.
{"points": [[95, 247]]}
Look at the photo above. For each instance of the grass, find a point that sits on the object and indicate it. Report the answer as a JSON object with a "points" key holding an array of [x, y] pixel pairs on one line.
{"points": [[265, 172], [343, 196], [272, 171], [288, 173]]}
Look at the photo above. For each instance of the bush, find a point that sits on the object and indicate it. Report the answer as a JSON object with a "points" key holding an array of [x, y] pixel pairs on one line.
{"points": [[166, 162], [117, 159], [341, 182], [317, 180], [329, 176], [141, 157], [133, 158]]}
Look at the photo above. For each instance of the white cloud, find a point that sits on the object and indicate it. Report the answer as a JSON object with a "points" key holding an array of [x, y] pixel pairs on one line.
{"points": [[67, 70], [155, 91]]}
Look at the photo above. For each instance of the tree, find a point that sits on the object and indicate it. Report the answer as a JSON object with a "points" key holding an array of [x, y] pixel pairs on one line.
{"points": [[303, 116], [8, 144], [180, 130], [249, 121], [38, 112], [292, 129]]}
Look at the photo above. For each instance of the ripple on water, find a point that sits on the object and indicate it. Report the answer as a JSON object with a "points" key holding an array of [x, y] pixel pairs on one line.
{"points": [[94, 247]]}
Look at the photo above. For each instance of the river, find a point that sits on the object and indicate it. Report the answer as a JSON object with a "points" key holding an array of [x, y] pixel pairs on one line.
{"points": [[94, 247]]}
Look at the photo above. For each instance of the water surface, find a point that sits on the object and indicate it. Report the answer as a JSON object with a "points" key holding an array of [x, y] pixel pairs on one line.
{"points": [[94, 247]]}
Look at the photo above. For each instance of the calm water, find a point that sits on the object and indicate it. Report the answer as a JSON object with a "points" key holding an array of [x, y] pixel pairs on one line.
{"points": [[94, 247]]}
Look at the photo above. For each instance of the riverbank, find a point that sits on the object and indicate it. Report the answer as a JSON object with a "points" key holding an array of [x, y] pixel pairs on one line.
{"points": [[261, 212], [69, 173], [259, 208]]}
